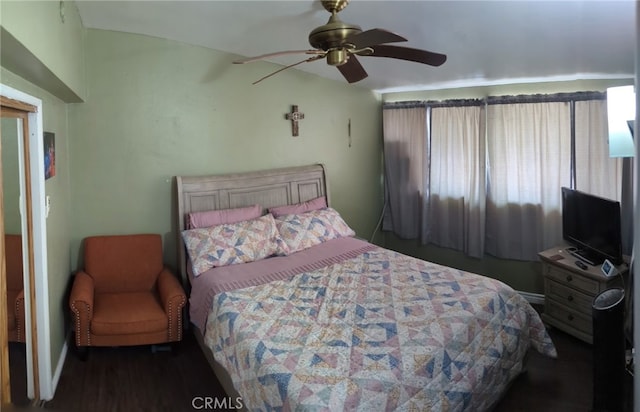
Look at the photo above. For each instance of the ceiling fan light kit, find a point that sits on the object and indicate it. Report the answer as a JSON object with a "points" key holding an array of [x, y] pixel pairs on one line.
{"points": [[341, 42], [337, 57]]}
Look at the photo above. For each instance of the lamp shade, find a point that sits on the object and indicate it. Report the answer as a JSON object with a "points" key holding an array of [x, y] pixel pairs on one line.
{"points": [[621, 111]]}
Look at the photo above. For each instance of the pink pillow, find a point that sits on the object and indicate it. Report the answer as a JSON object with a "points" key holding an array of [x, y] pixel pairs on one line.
{"points": [[223, 217], [309, 205]]}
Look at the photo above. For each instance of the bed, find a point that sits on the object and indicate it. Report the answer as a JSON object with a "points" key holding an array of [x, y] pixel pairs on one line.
{"points": [[339, 323]]}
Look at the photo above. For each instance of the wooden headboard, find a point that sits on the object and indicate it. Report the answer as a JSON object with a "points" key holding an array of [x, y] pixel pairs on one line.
{"points": [[268, 188]]}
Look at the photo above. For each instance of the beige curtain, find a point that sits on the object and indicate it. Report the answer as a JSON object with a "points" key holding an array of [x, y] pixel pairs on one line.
{"points": [[596, 172], [457, 179], [529, 155], [406, 169], [487, 179]]}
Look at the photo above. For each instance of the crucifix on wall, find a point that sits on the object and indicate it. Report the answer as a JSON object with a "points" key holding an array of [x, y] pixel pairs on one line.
{"points": [[294, 116]]}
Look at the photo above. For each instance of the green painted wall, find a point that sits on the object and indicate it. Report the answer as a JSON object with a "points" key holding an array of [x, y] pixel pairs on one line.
{"points": [[53, 34], [158, 108]]}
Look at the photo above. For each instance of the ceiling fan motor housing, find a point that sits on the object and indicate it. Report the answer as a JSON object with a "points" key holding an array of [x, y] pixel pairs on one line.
{"points": [[332, 36]]}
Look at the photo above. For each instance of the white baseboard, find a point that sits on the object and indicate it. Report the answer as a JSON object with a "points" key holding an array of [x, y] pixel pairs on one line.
{"points": [[59, 367], [534, 298]]}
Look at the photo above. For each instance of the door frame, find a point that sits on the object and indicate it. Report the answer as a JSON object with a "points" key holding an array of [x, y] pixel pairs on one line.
{"points": [[37, 332]]}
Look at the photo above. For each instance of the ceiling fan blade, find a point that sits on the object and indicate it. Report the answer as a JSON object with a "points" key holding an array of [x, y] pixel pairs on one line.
{"points": [[352, 70], [373, 37], [407, 53], [280, 53], [310, 59]]}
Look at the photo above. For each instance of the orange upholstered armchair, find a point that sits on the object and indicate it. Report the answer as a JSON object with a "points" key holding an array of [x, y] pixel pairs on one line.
{"points": [[125, 295], [15, 287]]}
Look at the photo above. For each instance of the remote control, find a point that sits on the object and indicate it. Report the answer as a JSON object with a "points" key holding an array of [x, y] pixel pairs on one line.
{"points": [[581, 265]]}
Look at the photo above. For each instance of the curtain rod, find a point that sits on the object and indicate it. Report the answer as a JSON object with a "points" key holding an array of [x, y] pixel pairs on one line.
{"points": [[543, 98], [522, 98], [432, 103], [403, 105]]}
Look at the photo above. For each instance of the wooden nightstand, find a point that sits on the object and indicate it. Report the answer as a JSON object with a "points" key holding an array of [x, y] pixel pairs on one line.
{"points": [[569, 291]]}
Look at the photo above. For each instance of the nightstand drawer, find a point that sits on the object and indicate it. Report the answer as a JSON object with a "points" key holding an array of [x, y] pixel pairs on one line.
{"points": [[569, 297], [569, 317], [573, 280]]}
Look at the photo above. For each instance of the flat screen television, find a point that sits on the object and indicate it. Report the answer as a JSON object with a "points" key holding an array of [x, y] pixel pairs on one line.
{"points": [[592, 224]]}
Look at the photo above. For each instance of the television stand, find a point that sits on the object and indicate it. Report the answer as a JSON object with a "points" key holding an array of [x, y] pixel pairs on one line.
{"points": [[569, 291]]}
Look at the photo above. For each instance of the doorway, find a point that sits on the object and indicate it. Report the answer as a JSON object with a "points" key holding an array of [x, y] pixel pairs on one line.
{"points": [[27, 113]]}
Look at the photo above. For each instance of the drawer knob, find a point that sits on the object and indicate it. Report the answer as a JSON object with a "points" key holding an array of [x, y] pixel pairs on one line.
{"points": [[570, 298], [569, 278], [570, 317]]}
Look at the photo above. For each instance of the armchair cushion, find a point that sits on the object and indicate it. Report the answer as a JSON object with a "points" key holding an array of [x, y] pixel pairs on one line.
{"points": [[127, 313]]}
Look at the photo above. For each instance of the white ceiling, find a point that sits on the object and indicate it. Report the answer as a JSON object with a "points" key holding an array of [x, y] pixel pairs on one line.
{"points": [[486, 42]]}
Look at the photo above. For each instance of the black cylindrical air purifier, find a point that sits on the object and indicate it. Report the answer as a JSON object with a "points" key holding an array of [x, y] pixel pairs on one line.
{"points": [[608, 351]]}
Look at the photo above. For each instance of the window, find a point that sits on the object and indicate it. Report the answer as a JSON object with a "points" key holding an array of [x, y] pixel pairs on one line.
{"points": [[495, 168]]}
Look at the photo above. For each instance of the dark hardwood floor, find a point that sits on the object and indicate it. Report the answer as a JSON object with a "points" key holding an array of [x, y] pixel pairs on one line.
{"points": [[135, 379], [18, 373], [563, 384], [132, 379]]}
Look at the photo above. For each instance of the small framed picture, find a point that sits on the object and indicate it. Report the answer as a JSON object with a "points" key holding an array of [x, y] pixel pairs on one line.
{"points": [[49, 155]]}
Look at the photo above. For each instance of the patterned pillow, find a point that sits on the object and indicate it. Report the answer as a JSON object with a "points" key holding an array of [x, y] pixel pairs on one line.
{"points": [[304, 230], [233, 243]]}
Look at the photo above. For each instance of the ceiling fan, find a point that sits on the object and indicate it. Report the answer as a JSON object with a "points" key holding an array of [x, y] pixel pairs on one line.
{"points": [[341, 42]]}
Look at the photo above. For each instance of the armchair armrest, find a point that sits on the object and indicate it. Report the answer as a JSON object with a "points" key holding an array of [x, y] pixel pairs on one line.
{"points": [[81, 304], [18, 306], [19, 314], [173, 299]]}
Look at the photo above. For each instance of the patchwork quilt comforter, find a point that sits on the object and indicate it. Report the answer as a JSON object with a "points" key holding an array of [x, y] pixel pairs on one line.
{"points": [[373, 332]]}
